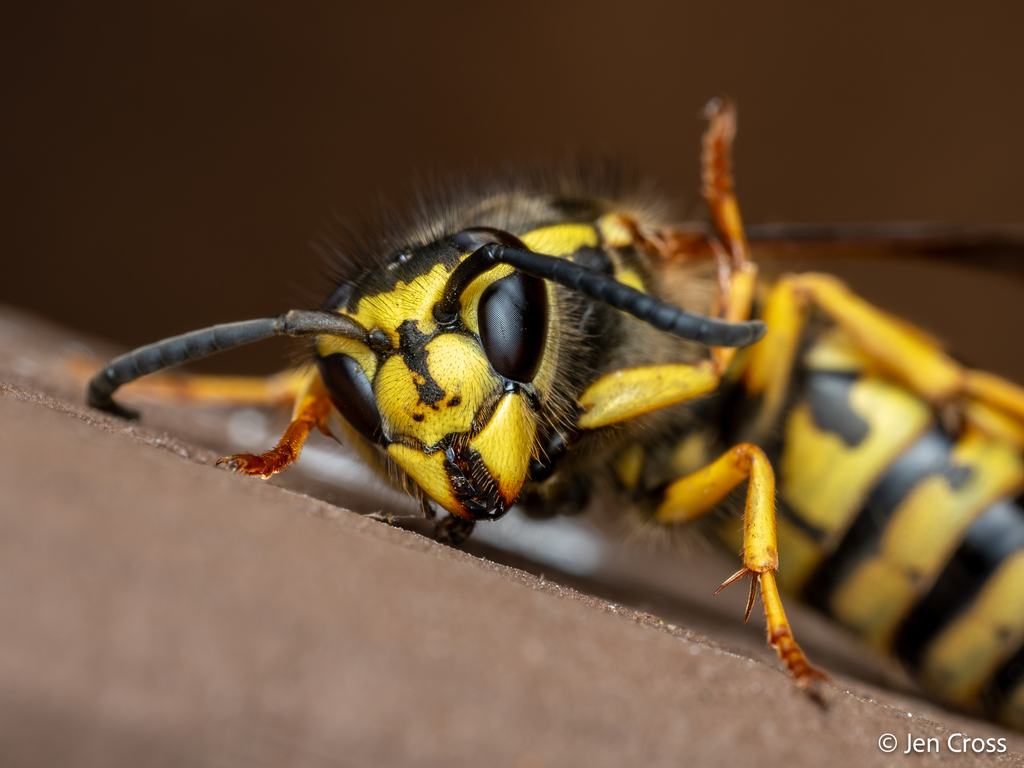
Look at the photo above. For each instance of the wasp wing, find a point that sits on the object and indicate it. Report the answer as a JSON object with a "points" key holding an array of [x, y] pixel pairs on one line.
{"points": [[998, 249]]}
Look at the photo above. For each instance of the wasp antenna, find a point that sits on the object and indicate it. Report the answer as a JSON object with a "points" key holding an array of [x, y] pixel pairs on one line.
{"points": [[655, 312], [191, 346]]}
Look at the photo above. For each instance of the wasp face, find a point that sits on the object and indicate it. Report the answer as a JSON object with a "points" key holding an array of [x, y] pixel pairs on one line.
{"points": [[454, 400]]}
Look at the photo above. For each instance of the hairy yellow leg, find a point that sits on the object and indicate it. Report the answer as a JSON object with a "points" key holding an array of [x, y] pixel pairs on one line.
{"points": [[996, 392], [905, 352], [311, 411], [696, 494]]}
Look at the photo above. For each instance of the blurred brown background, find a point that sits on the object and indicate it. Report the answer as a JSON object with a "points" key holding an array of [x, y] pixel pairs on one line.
{"points": [[167, 167]]}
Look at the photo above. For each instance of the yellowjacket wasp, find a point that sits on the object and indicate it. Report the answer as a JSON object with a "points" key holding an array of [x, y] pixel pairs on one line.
{"points": [[520, 345]]}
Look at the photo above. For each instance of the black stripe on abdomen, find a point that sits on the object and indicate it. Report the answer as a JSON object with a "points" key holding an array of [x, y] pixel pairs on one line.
{"points": [[930, 455], [993, 536], [1009, 677]]}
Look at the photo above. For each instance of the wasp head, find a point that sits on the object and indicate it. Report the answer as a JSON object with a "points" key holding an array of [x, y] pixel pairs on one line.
{"points": [[452, 395]]}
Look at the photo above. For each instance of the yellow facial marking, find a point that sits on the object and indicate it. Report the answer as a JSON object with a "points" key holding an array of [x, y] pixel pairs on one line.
{"points": [[458, 367], [506, 445], [406, 301], [561, 239], [427, 471], [335, 345]]}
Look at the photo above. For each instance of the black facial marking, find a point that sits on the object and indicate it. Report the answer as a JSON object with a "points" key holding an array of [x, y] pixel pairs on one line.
{"points": [[456, 400], [411, 346], [404, 266]]}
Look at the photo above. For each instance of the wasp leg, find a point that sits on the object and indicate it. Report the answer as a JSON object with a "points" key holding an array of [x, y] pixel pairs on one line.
{"points": [[737, 274], [632, 392], [771, 360], [453, 531], [997, 393], [311, 410], [994, 423], [716, 162], [898, 348], [281, 389], [696, 494]]}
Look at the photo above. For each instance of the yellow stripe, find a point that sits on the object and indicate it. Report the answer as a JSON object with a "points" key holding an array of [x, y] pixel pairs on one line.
{"points": [[799, 555], [921, 535], [834, 351], [824, 480], [966, 654]]}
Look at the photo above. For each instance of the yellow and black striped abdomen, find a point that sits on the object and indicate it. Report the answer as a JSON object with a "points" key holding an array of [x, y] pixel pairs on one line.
{"points": [[905, 534]]}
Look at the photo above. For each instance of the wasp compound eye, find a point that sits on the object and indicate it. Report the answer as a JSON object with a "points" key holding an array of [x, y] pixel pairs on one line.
{"points": [[351, 394], [513, 317]]}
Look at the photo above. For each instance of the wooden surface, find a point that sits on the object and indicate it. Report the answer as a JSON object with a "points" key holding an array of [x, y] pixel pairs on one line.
{"points": [[160, 611]]}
